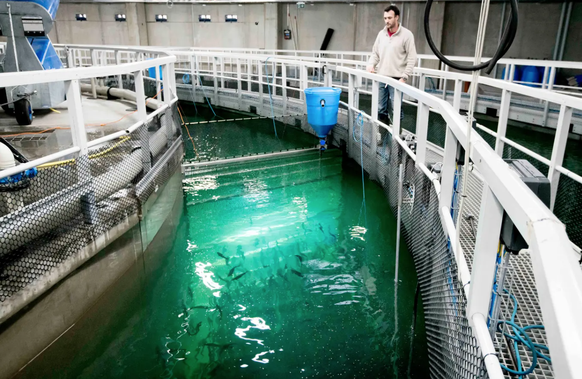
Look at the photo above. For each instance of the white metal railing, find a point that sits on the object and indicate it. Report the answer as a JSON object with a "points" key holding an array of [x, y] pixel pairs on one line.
{"points": [[557, 274], [72, 78]]}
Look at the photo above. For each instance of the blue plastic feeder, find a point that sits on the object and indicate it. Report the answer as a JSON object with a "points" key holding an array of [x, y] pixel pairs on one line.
{"points": [[322, 107]]}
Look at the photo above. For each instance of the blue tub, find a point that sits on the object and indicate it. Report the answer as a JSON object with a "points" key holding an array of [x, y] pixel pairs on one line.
{"points": [[322, 107], [531, 76]]}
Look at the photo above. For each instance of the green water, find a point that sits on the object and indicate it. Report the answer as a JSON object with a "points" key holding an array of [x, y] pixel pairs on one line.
{"points": [[273, 271], [220, 140]]}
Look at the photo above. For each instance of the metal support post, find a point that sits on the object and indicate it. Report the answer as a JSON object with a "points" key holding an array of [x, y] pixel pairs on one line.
{"points": [[142, 115], [167, 91], [502, 123], [550, 88], [458, 92], [117, 63], [79, 135], [558, 151], [485, 255], [397, 111], [284, 86], [215, 78], [421, 132], [448, 170], [238, 83]]}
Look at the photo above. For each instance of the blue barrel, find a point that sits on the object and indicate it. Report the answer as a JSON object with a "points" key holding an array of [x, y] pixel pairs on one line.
{"points": [[531, 75], [516, 74], [322, 106], [50, 5]]}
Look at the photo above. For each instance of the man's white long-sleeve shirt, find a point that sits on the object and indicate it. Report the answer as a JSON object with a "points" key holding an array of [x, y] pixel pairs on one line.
{"points": [[395, 55]]}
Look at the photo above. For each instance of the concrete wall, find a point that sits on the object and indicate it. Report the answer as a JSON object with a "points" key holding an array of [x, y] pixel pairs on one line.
{"points": [[453, 25]]}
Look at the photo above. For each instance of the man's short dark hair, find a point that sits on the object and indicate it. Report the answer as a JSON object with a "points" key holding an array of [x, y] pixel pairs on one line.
{"points": [[393, 8]]}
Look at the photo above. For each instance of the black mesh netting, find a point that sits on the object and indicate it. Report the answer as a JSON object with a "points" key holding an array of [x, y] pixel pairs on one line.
{"points": [[453, 350], [48, 218]]}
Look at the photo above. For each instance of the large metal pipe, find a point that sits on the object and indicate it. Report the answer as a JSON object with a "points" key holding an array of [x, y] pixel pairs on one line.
{"points": [[32, 221], [120, 93]]}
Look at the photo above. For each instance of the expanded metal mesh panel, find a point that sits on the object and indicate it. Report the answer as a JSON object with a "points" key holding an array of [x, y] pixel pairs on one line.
{"points": [[47, 219], [453, 350], [569, 193]]}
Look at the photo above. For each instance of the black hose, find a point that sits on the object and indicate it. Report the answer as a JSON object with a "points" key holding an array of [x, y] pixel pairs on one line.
{"points": [[506, 41]]}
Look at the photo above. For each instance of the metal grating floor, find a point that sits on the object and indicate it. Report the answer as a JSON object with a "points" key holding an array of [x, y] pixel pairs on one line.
{"points": [[519, 281]]}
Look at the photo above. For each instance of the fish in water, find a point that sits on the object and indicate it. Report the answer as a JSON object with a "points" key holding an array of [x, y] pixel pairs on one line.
{"points": [[320, 227], [257, 242], [240, 252], [297, 273], [330, 233], [299, 257], [232, 270], [223, 256], [239, 276], [196, 329], [221, 347]]}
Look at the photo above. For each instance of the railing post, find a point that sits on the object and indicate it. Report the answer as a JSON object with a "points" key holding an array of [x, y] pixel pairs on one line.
{"points": [[238, 83], [79, 136], [421, 83], [457, 95], [142, 115], [502, 123], [221, 72], [93, 80], [352, 88], [117, 63], [260, 76], [249, 74], [558, 150], [421, 132], [448, 170], [284, 86], [444, 97], [215, 78], [485, 255], [70, 57], [397, 111], [303, 76], [511, 73], [167, 91], [550, 88]]}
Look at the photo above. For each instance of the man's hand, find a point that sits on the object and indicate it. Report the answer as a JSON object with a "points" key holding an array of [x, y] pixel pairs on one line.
{"points": [[370, 69], [402, 80]]}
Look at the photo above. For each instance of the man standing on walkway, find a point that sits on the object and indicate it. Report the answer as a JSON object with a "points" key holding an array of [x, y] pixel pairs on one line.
{"points": [[393, 55]]}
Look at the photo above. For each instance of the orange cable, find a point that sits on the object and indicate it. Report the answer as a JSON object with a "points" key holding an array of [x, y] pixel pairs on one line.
{"points": [[42, 131]]}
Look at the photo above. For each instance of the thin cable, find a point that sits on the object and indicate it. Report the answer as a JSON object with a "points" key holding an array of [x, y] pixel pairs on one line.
{"points": [[185, 81], [360, 122], [204, 93], [506, 40], [270, 97], [188, 131]]}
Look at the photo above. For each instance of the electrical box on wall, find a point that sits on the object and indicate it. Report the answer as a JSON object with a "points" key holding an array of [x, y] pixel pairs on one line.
{"points": [[287, 34]]}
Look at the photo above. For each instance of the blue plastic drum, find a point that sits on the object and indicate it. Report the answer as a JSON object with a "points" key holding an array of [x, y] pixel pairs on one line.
{"points": [[322, 107]]}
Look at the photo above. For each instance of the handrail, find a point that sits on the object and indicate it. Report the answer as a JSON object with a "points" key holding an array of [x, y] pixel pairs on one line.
{"points": [[537, 93], [50, 76]]}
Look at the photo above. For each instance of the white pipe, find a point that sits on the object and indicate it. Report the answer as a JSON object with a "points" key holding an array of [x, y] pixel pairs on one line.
{"points": [[559, 33], [13, 38], [121, 93], [565, 32], [6, 157]]}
